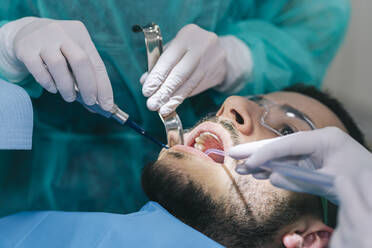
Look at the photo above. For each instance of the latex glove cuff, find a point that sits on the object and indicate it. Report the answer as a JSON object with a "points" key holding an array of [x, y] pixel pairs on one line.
{"points": [[10, 67]]}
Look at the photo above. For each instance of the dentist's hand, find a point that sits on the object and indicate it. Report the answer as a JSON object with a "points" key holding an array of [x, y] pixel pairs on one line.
{"points": [[332, 150], [193, 62], [355, 211], [45, 47]]}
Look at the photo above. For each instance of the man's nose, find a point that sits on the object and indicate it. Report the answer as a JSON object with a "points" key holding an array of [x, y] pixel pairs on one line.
{"points": [[240, 111]]}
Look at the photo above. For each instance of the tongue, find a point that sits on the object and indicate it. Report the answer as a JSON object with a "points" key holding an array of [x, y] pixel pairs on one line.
{"points": [[212, 143], [217, 157]]}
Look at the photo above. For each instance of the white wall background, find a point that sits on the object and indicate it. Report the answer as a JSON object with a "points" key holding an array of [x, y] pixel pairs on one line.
{"points": [[350, 75]]}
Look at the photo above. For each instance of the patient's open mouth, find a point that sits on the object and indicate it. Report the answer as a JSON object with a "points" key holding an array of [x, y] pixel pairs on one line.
{"points": [[207, 140], [208, 135]]}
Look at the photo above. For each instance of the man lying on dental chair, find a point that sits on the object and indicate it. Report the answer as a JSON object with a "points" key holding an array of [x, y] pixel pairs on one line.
{"points": [[201, 201]]}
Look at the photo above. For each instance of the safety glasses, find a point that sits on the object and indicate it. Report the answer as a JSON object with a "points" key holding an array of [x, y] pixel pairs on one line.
{"points": [[281, 119]]}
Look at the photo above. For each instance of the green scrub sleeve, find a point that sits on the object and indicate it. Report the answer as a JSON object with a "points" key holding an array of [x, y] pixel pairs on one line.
{"points": [[3, 22], [291, 41], [29, 84]]}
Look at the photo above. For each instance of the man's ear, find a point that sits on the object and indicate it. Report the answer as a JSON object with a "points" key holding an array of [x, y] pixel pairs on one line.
{"points": [[310, 233]]}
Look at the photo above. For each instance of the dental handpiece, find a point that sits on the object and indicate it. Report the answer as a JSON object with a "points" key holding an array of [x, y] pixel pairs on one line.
{"points": [[120, 116], [116, 113], [291, 170]]}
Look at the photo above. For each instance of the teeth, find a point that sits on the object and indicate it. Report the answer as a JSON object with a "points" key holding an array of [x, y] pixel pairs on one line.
{"points": [[199, 141], [203, 136], [199, 146], [210, 134]]}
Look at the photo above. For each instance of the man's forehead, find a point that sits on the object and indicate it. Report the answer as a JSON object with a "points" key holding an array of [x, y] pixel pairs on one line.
{"points": [[321, 115]]}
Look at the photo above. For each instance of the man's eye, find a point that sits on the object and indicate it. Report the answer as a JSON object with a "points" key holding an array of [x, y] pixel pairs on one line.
{"points": [[285, 130]]}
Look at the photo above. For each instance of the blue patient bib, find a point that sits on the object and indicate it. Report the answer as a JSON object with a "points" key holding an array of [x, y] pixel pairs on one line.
{"points": [[152, 226]]}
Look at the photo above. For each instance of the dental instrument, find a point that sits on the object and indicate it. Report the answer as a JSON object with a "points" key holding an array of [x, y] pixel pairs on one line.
{"points": [[120, 116], [154, 48], [299, 173], [116, 113]]}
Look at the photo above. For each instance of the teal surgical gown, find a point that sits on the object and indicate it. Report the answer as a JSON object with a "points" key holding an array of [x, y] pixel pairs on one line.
{"points": [[83, 162]]}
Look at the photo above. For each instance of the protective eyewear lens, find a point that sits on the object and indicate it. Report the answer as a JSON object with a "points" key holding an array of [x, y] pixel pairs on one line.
{"points": [[282, 119]]}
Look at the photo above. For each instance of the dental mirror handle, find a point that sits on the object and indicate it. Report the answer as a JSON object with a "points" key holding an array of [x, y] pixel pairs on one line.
{"points": [[154, 48], [153, 41]]}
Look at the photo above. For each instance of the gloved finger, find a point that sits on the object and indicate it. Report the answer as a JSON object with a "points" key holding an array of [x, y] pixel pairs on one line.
{"points": [[165, 47], [252, 168], [57, 66], [162, 68], [364, 178], [281, 181], [289, 183], [144, 77], [348, 199], [245, 150], [341, 235], [182, 93], [351, 190], [300, 143], [104, 88], [177, 78], [37, 68], [171, 105], [262, 175], [242, 169], [82, 70]]}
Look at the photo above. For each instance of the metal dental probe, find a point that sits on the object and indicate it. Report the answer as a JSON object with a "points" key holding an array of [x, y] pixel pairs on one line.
{"points": [[116, 113]]}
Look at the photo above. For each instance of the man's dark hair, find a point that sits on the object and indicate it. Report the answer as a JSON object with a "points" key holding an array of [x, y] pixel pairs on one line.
{"points": [[334, 105]]}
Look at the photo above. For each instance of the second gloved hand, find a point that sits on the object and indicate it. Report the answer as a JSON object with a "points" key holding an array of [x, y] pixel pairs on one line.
{"points": [[333, 151], [193, 62], [355, 212], [45, 48]]}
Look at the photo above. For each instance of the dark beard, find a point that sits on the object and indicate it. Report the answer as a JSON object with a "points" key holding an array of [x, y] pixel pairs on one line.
{"points": [[184, 199]]}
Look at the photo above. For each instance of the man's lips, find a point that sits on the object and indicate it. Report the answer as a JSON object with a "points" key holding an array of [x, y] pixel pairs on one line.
{"points": [[192, 150]]}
